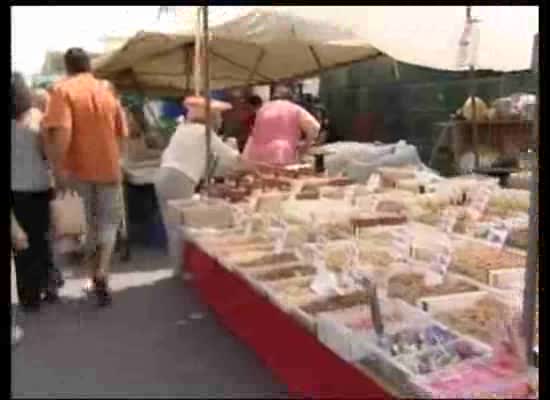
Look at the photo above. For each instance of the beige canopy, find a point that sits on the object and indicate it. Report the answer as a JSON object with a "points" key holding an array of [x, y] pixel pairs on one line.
{"points": [[256, 47]]}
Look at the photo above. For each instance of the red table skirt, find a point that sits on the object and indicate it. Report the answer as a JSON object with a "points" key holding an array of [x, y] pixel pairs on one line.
{"points": [[293, 354]]}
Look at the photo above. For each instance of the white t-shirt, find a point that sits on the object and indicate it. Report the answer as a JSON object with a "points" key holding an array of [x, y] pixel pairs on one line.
{"points": [[186, 152]]}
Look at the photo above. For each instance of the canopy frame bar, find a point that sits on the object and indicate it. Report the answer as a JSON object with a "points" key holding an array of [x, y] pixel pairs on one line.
{"points": [[238, 65], [254, 72], [530, 288]]}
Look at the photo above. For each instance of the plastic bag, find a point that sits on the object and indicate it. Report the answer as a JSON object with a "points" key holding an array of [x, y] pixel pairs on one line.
{"points": [[68, 215]]}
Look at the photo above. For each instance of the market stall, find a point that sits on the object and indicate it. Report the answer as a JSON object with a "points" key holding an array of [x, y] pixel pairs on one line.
{"points": [[403, 285], [301, 263], [408, 279]]}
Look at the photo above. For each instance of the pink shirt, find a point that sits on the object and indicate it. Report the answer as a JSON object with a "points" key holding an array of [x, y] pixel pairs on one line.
{"points": [[276, 133]]}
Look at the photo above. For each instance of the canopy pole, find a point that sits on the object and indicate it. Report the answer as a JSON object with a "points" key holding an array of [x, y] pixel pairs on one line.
{"points": [[206, 79], [473, 84], [198, 55], [530, 288], [188, 68]]}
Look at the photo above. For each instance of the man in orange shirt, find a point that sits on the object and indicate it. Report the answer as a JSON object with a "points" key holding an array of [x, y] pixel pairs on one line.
{"points": [[84, 127]]}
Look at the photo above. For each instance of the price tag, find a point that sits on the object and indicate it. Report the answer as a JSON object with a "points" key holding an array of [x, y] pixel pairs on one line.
{"points": [[347, 283], [349, 194], [433, 279], [442, 262], [370, 204], [249, 225], [479, 202], [402, 242], [280, 240], [325, 282], [497, 236], [448, 221], [374, 183], [352, 255], [254, 202]]}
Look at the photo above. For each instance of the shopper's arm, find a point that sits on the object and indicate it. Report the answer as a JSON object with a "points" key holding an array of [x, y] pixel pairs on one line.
{"points": [[18, 235], [228, 158], [310, 127], [122, 131]]}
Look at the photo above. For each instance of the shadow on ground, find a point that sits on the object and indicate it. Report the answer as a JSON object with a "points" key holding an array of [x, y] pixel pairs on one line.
{"points": [[148, 344]]}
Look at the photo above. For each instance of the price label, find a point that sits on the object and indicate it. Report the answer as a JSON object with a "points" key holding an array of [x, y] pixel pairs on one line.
{"points": [[433, 279], [442, 262], [352, 255], [448, 221], [374, 183], [479, 202], [370, 203], [325, 283], [280, 240], [250, 225], [497, 236], [402, 242], [254, 202]]}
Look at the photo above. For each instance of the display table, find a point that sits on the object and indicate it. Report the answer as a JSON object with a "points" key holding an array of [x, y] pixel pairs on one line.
{"points": [[293, 354]]}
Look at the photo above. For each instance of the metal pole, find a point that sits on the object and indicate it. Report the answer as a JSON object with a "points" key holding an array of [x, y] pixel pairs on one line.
{"points": [[206, 79], [530, 289], [475, 133]]}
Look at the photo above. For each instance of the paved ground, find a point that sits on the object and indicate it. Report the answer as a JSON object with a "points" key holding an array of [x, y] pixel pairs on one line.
{"points": [[146, 345]]}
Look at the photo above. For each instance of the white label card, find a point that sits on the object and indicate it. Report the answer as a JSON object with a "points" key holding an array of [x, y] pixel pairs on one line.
{"points": [[403, 240], [442, 262], [325, 283], [370, 204], [248, 227], [480, 201], [448, 221], [352, 254], [498, 236], [374, 182], [433, 279]]}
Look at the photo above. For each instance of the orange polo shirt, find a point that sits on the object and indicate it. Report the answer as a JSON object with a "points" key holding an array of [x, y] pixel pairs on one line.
{"points": [[90, 119]]}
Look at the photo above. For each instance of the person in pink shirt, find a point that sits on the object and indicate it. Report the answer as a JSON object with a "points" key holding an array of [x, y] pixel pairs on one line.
{"points": [[278, 129]]}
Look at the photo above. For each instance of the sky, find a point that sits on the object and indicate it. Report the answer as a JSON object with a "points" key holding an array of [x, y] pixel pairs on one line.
{"points": [[37, 29]]}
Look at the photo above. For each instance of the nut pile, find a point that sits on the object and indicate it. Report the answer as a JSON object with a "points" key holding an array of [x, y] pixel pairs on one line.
{"points": [[476, 261], [286, 273], [476, 321], [410, 287], [269, 259], [336, 303]]}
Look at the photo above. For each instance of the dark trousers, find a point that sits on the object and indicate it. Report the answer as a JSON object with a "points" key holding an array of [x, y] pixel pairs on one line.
{"points": [[33, 265]]}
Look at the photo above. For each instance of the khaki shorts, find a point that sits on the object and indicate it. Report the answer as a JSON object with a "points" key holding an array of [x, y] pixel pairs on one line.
{"points": [[104, 208]]}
